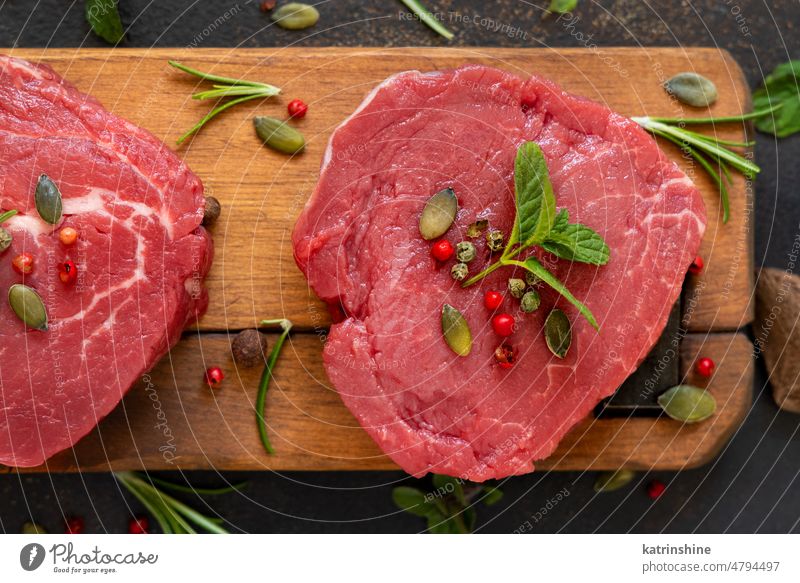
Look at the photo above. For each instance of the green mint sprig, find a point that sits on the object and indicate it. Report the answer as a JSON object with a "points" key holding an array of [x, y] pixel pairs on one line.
{"points": [[538, 224]]}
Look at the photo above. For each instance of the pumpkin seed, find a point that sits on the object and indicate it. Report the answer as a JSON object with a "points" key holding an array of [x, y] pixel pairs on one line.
{"points": [[475, 229], [279, 136], [295, 16], [558, 333], [687, 403], [692, 89], [28, 306], [48, 200], [456, 331], [5, 239], [610, 481], [438, 214]]}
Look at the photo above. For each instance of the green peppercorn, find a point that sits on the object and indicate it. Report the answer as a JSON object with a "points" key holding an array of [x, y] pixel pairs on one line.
{"points": [[532, 279], [465, 252], [5, 239], [459, 271], [516, 287], [494, 240], [530, 301]]}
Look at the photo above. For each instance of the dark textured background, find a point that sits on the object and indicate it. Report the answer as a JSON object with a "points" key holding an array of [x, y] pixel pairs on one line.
{"points": [[752, 487]]}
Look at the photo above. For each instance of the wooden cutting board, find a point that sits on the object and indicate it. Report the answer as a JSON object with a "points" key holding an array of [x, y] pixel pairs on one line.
{"points": [[172, 420]]}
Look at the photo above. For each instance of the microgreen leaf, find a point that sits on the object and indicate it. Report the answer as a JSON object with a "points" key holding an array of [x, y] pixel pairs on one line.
{"points": [[535, 267], [536, 203], [429, 19], [413, 501], [491, 495], [577, 242], [562, 6], [103, 17], [781, 87], [449, 484]]}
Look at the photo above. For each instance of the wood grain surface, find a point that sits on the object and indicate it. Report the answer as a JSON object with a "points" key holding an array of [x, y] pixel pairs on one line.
{"points": [[173, 420]]}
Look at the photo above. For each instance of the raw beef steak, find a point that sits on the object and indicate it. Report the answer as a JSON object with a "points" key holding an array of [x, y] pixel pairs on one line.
{"points": [[359, 245], [141, 256]]}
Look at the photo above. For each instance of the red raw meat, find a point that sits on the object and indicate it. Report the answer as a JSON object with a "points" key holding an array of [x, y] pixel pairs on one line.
{"points": [[358, 243], [141, 257]]}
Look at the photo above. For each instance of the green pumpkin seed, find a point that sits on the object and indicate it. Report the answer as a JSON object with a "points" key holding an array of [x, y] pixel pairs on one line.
{"points": [[438, 214], [475, 229], [456, 331], [5, 239], [28, 306], [279, 136], [692, 89], [295, 16], [558, 333], [48, 200], [687, 403], [610, 481]]}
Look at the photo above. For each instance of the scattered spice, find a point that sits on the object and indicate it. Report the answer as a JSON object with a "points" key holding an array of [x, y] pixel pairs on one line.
{"points": [[692, 89], [67, 272], [297, 108], [558, 333], [23, 263], [532, 279], [442, 250], [465, 252], [263, 385], [503, 324], [278, 135], [438, 214], [696, 268], [267, 5], [530, 301], [655, 489], [139, 525], [687, 403], [28, 306], [705, 367], [492, 299], [505, 355], [48, 200], [68, 236], [475, 229], [456, 330], [459, 271], [249, 347], [214, 376], [610, 481], [74, 525], [295, 16], [211, 211], [516, 287], [494, 240], [5, 236]]}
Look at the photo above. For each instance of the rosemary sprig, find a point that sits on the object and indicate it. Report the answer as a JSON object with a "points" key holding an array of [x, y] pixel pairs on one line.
{"points": [[709, 151], [263, 385], [173, 516], [429, 19], [224, 87]]}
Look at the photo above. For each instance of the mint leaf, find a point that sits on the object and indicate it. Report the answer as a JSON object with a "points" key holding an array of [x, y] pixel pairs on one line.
{"points": [[536, 203], [103, 17], [781, 87], [562, 220], [562, 6], [577, 242], [532, 264], [412, 501]]}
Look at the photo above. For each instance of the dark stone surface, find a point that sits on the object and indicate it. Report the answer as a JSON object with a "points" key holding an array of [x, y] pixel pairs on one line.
{"points": [[751, 487]]}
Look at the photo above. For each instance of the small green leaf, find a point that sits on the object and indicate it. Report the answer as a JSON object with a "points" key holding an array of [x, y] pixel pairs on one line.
{"points": [[562, 6], [535, 267], [577, 242], [558, 333], [449, 485], [103, 17], [562, 220], [412, 501], [687, 403], [536, 203], [491, 495], [439, 524], [781, 87], [610, 481]]}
